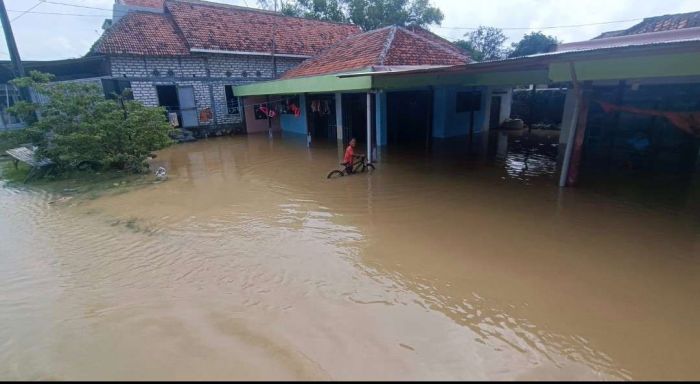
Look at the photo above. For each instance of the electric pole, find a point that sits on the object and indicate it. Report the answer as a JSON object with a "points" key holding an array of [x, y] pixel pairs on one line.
{"points": [[11, 44]]}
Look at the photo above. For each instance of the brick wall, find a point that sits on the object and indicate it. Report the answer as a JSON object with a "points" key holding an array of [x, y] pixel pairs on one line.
{"points": [[207, 73]]}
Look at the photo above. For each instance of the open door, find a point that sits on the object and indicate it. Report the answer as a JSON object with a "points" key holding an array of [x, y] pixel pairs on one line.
{"points": [[188, 108]]}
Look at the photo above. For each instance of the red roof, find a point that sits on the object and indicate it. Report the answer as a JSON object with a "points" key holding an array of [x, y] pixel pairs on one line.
{"points": [[221, 27], [389, 46], [144, 3], [191, 24], [142, 33], [658, 24]]}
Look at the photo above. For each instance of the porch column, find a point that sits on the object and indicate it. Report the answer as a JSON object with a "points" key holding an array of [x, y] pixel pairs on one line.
{"points": [[339, 117], [577, 134], [380, 106], [567, 133], [369, 127]]}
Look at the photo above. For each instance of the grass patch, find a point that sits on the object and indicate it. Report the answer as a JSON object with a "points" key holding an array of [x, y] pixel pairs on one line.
{"points": [[86, 184]]}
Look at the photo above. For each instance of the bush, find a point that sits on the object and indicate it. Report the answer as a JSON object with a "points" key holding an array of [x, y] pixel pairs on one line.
{"points": [[77, 125]]}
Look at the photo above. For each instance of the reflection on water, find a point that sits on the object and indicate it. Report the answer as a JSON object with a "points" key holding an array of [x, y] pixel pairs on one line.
{"points": [[248, 264]]}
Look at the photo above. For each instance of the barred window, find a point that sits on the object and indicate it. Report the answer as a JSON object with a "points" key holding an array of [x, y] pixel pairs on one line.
{"points": [[231, 101]]}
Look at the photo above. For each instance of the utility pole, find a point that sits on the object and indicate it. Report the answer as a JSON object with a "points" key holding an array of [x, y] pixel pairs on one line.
{"points": [[11, 44]]}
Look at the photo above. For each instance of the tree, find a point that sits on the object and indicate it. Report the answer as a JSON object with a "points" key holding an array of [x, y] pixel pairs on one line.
{"points": [[484, 44], [368, 14], [532, 43], [79, 126]]}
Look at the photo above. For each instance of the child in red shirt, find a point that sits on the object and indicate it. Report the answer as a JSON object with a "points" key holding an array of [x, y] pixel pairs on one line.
{"points": [[349, 158]]}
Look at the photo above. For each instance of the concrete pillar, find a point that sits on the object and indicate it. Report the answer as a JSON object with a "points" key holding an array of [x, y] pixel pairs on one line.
{"points": [[486, 99], [440, 112], [339, 117], [506, 105], [566, 134], [381, 119], [369, 127], [568, 119]]}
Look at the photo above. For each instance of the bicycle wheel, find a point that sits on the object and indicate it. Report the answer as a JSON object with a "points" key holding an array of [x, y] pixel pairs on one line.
{"points": [[336, 173], [371, 167]]}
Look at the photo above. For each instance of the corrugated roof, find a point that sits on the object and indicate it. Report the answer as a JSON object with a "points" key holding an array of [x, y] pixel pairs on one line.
{"points": [[389, 46]]}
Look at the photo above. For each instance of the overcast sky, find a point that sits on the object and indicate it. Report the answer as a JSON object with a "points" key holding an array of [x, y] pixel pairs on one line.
{"points": [[45, 35]]}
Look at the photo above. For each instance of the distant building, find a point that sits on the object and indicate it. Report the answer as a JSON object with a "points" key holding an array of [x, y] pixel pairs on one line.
{"points": [[186, 55]]}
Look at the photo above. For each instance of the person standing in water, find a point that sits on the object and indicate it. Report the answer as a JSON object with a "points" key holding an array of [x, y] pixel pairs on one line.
{"points": [[350, 156]]}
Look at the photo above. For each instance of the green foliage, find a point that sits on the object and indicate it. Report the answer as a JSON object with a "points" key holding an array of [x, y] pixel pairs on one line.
{"points": [[79, 127], [467, 46], [485, 44], [532, 43], [368, 14]]}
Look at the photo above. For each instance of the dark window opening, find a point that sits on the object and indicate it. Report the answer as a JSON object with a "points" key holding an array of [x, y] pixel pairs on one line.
{"points": [[113, 88], [167, 97], [468, 101], [231, 101]]}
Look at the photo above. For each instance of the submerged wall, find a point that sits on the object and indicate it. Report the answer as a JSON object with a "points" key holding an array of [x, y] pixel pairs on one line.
{"points": [[295, 124], [447, 122]]}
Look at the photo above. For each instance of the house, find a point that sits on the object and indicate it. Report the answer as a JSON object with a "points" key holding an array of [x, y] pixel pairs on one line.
{"points": [[186, 55], [336, 101], [632, 101], [658, 24], [86, 69]]}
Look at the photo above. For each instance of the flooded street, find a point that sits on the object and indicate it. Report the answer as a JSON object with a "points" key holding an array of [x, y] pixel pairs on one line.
{"points": [[248, 264]]}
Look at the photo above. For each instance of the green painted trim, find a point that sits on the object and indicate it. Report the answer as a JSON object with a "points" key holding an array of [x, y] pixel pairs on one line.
{"points": [[316, 84], [677, 64], [479, 79]]}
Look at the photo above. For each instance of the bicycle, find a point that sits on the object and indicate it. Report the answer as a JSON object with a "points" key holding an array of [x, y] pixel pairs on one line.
{"points": [[359, 166]]}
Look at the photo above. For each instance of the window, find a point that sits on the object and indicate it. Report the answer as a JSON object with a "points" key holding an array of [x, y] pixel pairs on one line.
{"points": [[231, 101], [113, 88], [468, 101]]}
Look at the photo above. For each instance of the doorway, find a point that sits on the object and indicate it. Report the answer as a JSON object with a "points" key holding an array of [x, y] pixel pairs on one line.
{"points": [[321, 116], [409, 117], [179, 100]]}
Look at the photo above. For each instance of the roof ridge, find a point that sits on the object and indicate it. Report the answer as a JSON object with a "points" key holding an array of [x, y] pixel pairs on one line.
{"points": [[387, 45], [454, 53], [256, 10]]}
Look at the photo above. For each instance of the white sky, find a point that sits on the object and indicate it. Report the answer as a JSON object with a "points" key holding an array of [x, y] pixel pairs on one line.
{"points": [[47, 37]]}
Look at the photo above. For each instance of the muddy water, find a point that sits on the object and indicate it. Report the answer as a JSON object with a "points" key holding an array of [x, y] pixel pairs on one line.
{"points": [[248, 264]]}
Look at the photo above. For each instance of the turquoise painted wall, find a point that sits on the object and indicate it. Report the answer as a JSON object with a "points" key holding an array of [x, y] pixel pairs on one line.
{"points": [[293, 124], [446, 121], [381, 120]]}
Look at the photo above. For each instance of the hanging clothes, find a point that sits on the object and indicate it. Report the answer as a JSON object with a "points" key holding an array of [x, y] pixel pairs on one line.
{"points": [[326, 108], [316, 106], [269, 112], [688, 122]]}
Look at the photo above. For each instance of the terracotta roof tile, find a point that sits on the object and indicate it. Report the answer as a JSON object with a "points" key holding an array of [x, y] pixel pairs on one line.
{"points": [[142, 33], [222, 27], [658, 24], [158, 4], [409, 48], [389, 46]]}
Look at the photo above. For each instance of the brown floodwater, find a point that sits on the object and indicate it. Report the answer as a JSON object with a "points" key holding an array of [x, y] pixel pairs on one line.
{"points": [[248, 264]]}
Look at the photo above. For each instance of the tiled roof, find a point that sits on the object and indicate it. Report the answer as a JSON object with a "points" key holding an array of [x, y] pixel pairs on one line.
{"points": [[157, 4], [659, 24], [142, 33], [222, 27], [661, 37], [192, 24], [389, 46]]}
